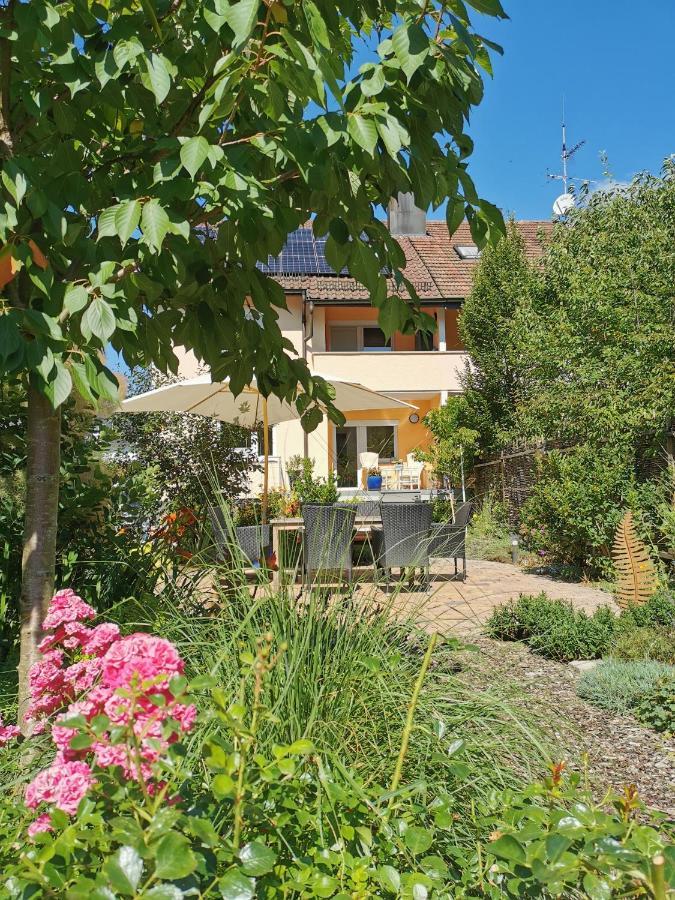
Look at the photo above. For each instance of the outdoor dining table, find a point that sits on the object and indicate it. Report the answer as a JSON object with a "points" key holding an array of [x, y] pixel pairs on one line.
{"points": [[362, 525]]}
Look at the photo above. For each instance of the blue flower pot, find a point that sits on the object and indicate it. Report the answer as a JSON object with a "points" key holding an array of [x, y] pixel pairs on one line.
{"points": [[374, 482]]}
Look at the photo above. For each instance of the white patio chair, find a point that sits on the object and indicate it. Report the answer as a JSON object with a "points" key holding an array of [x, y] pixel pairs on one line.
{"points": [[411, 476]]}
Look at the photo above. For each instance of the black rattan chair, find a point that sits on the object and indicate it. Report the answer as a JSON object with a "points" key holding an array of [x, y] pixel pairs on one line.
{"points": [[328, 538], [448, 539], [251, 540], [403, 541]]}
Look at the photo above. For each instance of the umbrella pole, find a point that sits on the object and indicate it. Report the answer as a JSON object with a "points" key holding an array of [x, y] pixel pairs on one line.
{"points": [[266, 461]]}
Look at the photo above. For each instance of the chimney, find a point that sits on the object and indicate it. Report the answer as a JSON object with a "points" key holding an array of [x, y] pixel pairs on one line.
{"points": [[404, 219]]}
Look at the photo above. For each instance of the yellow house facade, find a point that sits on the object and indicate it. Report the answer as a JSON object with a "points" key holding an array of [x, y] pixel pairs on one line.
{"points": [[331, 323]]}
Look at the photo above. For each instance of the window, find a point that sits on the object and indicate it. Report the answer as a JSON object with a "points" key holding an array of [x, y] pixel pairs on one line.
{"points": [[354, 338], [353, 440], [467, 251]]}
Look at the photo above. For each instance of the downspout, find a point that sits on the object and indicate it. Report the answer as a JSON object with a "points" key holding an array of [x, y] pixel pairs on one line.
{"points": [[305, 436]]}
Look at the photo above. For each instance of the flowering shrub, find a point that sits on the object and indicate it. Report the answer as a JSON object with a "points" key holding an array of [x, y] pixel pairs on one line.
{"points": [[130, 816], [110, 701]]}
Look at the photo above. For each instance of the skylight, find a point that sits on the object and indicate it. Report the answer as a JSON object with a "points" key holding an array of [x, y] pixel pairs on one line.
{"points": [[467, 251]]}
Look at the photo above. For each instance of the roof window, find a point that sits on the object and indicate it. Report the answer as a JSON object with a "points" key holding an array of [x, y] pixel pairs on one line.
{"points": [[467, 251]]}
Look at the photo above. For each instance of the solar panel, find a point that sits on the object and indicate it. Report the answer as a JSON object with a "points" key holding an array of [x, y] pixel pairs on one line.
{"points": [[303, 254]]}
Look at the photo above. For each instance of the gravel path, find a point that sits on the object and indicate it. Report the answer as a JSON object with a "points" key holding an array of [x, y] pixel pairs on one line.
{"points": [[619, 750]]}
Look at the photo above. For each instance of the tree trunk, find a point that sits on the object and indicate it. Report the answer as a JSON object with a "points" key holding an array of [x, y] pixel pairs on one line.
{"points": [[39, 539]]}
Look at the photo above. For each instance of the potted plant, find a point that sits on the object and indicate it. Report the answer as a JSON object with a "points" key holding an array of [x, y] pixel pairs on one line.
{"points": [[312, 489], [374, 480], [294, 468]]}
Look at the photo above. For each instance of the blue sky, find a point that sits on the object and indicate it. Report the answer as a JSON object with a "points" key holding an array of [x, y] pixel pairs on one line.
{"points": [[614, 62]]}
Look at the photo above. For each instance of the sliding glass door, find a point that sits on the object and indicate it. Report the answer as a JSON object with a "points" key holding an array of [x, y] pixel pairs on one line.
{"points": [[353, 440]]}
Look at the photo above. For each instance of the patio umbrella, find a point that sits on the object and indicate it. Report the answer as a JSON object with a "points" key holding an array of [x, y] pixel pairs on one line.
{"points": [[214, 398]]}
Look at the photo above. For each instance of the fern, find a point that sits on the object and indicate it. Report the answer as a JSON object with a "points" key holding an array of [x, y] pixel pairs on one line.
{"points": [[636, 576]]}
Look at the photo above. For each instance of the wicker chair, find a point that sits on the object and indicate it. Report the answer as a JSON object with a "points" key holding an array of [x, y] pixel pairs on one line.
{"points": [[448, 539], [328, 538], [252, 540], [404, 539]]}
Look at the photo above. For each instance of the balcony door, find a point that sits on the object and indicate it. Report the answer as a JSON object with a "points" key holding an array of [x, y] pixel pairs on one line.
{"points": [[358, 338], [353, 440]]}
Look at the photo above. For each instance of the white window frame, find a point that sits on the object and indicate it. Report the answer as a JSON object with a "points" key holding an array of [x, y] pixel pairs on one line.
{"points": [[362, 437], [359, 325]]}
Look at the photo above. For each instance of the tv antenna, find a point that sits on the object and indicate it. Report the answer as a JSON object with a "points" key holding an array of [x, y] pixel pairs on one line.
{"points": [[565, 201]]}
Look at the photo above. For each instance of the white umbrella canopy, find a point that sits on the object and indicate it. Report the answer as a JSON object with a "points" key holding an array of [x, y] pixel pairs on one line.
{"points": [[213, 398]]}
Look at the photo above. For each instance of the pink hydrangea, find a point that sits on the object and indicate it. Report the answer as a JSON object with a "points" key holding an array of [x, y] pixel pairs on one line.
{"points": [[62, 785], [8, 732], [140, 657], [42, 823], [96, 641], [67, 607]]}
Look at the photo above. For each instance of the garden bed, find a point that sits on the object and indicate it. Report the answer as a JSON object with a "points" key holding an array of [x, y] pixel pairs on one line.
{"points": [[619, 750]]}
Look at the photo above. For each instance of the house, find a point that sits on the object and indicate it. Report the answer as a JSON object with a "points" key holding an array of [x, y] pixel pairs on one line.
{"points": [[329, 320]]}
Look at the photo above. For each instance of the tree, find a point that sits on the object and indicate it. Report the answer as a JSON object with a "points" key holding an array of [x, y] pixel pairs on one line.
{"points": [[597, 358], [153, 152], [488, 326], [453, 448]]}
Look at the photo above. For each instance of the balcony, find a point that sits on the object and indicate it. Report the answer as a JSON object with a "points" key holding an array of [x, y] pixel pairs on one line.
{"points": [[395, 371]]}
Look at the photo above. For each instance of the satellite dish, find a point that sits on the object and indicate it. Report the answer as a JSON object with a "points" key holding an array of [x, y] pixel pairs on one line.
{"points": [[563, 204]]}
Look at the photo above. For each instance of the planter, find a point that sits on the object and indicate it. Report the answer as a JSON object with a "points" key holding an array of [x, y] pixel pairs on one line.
{"points": [[374, 483]]}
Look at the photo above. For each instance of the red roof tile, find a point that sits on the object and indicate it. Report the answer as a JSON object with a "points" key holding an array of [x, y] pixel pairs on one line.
{"points": [[432, 265]]}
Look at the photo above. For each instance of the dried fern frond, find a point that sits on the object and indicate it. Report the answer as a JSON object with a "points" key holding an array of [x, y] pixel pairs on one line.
{"points": [[636, 578]]}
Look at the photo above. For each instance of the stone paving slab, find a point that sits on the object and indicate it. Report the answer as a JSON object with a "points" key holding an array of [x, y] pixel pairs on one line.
{"points": [[463, 606]]}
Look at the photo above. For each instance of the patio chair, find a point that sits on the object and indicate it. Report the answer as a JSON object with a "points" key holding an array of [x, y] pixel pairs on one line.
{"points": [[403, 541], [247, 550], [328, 538], [448, 539], [411, 474]]}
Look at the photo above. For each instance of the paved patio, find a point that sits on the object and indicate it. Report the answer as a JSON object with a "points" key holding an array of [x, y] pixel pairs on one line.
{"points": [[462, 607]]}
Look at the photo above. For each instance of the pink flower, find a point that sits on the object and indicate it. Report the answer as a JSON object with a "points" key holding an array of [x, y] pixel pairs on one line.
{"points": [[142, 657], [42, 823], [8, 732], [97, 640], [82, 676], [63, 784], [66, 606]]}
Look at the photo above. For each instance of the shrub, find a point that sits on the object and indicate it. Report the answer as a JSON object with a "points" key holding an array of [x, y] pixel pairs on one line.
{"points": [[244, 822], [658, 610], [575, 506], [656, 707], [617, 686], [553, 628], [651, 642]]}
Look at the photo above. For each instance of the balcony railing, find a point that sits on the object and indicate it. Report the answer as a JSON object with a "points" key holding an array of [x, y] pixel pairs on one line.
{"points": [[407, 371]]}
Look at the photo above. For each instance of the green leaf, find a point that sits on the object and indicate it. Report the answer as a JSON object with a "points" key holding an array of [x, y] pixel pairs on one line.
{"points": [[257, 859], [193, 153], [317, 25], [556, 844], [507, 847], [127, 217], [393, 315], [105, 225], [372, 86], [411, 46], [76, 298], [155, 224], [99, 320], [489, 7], [454, 214], [236, 886], [596, 888], [58, 389], [311, 419], [174, 857], [418, 839], [14, 180], [363, 131], [124, 870], [127, 51], [241, 17], [156, 76], [163, 892], [389, 878]]}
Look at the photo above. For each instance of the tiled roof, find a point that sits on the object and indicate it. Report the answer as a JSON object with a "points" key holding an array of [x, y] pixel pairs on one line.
{"points": [[432, 265]]}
